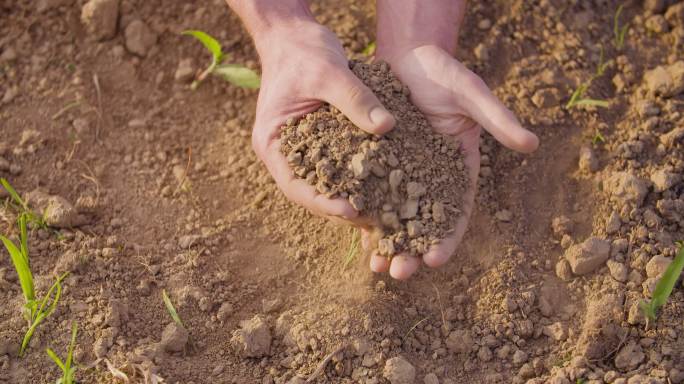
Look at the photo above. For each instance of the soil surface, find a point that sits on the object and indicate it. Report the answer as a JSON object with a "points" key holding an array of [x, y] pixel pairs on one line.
{"points": [[409, 182], [157, 189]]}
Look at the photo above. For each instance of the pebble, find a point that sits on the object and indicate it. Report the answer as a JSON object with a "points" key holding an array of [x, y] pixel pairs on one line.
{"points": [[665, 81], [174, 338], [618, 271], [563, 270], [100, 18], [629, 357], [586, 257], [588, 162], [139, 38], [430, 378], [253, 339], [399, 371], [484, 24], [657, 265], [519, 357], [185, 72]]}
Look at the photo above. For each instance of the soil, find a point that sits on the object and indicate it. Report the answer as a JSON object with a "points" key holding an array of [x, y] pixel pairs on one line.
{"points": [[165, 193], [408, 181]]}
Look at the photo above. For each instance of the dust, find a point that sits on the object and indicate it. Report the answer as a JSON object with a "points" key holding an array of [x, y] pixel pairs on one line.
{"points": [[409, 181]]}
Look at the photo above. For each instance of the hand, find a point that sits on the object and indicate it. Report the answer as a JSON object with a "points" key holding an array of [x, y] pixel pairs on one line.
{"points": [[302, 66], [457, 103]]}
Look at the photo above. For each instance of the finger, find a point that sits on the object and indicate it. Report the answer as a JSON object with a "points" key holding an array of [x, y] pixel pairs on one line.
{"points": [[358, 103], [299, 191], [492, 115], [440, 253], [403, 266], [379, 263]]}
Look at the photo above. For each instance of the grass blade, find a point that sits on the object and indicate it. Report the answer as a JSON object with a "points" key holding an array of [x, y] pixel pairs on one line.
{"points": [[353, 248], [22, 268], [171, 309], [593, 102], [209, 42], [72, 345], [56, 359], [15, 196], [239, 75], [664, 287], [23, 236], [370, 49]]}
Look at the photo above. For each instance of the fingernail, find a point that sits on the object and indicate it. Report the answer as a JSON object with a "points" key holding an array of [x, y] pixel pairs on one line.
{"points": [[382, 119]]}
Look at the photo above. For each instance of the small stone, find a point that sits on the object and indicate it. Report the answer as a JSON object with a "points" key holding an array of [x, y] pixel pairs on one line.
{"points": [[409, 209], [618, 271], [438, 213], [666, 81], [629, 357], [360, 166], [414, 228], [519, 357], [504, 215], [627, 188], [663, 180], [395, 177], [253, 339], [614, 223], [563, 270], [430, 378], [415, 190], [460, 341], [588, 162], [484, 24], [557, 331], [100, 18], [185, 72], [586, 257], [481, 52], [546, 98], [562, 225], [484, 354], [399, 371], [174, 338], [358, 202], [386, 247], [657, 265], [139, 38]]}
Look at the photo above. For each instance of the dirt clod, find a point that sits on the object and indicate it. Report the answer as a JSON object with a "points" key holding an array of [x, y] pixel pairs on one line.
{"points": [[139, 38], [410, 180], [399, 371], [174, 338], [253, 339], [100, 18]]}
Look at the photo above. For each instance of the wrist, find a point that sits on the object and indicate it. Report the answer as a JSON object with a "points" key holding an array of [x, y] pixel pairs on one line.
{"points": [[404, 25], [271, 20]]}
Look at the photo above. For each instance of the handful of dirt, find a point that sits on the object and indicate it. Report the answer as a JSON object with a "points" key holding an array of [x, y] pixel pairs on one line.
{"points": [[410, 181]]}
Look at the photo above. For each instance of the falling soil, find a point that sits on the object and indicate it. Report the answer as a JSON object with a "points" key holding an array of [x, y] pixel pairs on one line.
{"points": [[409, 181]]}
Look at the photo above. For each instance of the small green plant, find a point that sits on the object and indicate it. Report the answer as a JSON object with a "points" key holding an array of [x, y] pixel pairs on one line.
{"points": [[68, 371], [370, 49], [34, 311], [22, 205], [353, 248], [233, 73], [171, 309], [619, 32], [598, 138], [664, 286]]}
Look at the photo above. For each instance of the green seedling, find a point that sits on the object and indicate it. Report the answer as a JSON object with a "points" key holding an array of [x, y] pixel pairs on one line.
{"points": [[664, 286], [619, 32], [22, 206], [598, 138], [577, 98], [171, 309], [353, 248], [68, 371], [370, 49], [34, 311], [233, 73]]}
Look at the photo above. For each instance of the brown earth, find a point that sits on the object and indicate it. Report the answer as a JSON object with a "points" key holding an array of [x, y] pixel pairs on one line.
{"points": [[544, 288]]}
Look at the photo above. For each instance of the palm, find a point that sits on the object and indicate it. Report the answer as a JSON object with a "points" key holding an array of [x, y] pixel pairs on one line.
{"points": [[457, 103]]}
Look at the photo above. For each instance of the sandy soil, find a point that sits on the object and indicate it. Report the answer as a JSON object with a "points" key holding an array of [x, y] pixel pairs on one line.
{"points": [[563, 245]]}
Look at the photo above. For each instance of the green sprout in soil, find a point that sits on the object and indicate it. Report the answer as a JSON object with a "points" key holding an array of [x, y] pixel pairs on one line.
{"points": [[68, 371], [577, 98], [619, 32], [598, 138], [34, 311], [370, 49], [353, 248], [22, 206], [171, 309], [233, 73], [664, 286]]}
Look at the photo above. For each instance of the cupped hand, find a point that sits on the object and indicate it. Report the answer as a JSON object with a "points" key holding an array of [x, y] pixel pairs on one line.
{"points": [[457, 103], [303, 66]]}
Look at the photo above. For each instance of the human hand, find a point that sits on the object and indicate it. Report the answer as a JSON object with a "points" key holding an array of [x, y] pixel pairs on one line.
{"points": [[304, 65], [457, 103]]}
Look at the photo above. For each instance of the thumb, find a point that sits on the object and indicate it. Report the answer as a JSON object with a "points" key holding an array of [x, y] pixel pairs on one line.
{"points": [[356, 101], [493, 116]]}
